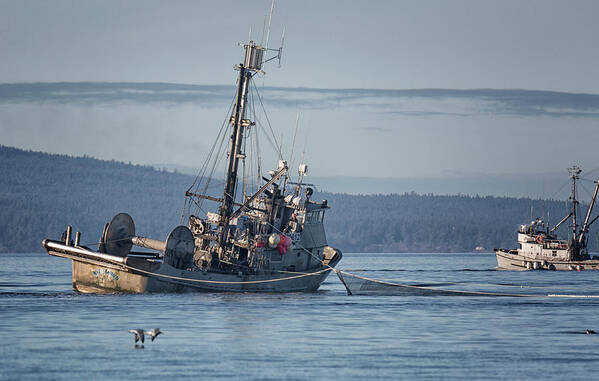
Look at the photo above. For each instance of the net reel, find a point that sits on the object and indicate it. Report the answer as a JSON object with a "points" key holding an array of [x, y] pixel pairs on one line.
{"points": [[119, 236]]}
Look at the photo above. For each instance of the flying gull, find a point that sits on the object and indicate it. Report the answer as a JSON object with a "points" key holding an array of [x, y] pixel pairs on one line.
{"points": [[153, 333], [139, 334]]}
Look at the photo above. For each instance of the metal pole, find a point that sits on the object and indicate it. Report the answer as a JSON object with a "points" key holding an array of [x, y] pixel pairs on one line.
{"points": [[574, 226], [59, 247], [234, 154], [575, 171], [68, 235], [586, 219], [148, 243]]}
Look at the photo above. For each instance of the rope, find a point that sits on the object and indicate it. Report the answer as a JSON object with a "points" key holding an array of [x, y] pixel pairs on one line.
{"points": [[300, 246], [299, 274], [331, 268], [302, 275], [202, 173], [274, 271], [258, 152], [210, 153]]}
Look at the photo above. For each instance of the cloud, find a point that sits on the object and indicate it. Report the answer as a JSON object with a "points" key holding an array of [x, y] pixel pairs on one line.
{"points": [[108, 93], [414, 102]]}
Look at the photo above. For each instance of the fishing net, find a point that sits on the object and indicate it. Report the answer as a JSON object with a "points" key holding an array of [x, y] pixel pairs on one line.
{"points": [[361, 285]]}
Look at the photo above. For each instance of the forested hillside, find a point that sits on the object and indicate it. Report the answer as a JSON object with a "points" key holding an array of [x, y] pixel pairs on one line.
{"points": [[428, 223], [40, 194]]}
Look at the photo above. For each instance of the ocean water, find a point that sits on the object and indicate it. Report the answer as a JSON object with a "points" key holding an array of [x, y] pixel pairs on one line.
{"points": [[51, 333]]}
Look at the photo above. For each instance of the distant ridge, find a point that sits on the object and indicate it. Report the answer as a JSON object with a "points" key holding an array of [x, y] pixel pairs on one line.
{"points": [[41, 193]]}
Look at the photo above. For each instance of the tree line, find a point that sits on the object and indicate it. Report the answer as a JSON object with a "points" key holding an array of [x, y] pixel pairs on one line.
{"points": [[40, 194]]}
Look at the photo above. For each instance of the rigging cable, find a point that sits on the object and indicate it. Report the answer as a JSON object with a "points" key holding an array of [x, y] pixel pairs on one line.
{"points": [[258, 152], [268, 121], [592, 171], [204, 166], [218, 157], [201, 174], [259, 124]]}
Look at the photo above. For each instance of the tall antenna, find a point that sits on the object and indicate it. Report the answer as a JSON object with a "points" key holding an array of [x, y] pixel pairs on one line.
{"points": [[304, 151], [294, 134], [281, 147], [272, 7], [263, 31], [281, 48], [301, 170], [265, 47], [531, 214]]}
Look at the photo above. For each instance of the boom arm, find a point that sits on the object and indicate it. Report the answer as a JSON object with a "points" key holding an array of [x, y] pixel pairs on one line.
{"points": [[561, 222], [262, 189], [593, 220], [585, 226]]}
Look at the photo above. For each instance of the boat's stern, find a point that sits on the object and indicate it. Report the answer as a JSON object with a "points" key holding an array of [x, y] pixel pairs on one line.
{"points": [[95, 272]]}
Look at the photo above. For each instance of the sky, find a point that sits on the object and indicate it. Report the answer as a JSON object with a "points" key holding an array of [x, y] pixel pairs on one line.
{"points": [[386, 52], [541, 45]]}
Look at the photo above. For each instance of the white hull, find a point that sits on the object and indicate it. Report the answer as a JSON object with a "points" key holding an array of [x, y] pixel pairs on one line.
{"points": [[512, 260]]}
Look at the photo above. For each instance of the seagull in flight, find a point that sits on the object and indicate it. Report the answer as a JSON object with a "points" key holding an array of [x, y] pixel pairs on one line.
{"points": [[139, 335], [153, 333]]}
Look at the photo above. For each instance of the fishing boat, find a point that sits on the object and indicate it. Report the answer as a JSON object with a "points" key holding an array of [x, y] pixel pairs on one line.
{"points": [[265, 237], [541, 249]]}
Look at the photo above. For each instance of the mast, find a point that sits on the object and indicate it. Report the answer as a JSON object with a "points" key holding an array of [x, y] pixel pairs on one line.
{"points": [[252, 63], [574, 172]]}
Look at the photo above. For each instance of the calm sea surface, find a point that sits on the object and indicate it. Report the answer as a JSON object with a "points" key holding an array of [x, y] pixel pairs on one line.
{"points": [[50, 332]]}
